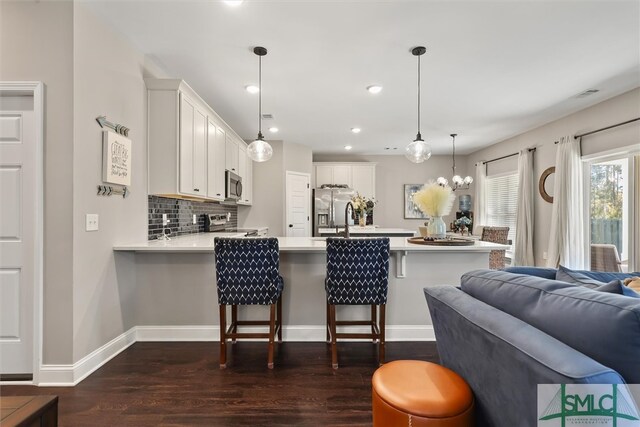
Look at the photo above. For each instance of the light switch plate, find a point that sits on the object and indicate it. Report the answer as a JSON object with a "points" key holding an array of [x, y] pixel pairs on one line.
{"points": [[195, 219], [91, 222]]}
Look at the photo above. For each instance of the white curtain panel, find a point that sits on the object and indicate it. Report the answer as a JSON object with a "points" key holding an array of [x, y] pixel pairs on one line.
{"points": [[523, 251], [566, 239], [480, 209]]}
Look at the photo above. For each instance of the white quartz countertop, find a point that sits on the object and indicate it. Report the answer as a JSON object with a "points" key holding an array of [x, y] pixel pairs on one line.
{"points": [[203, 243], [368, 230]]}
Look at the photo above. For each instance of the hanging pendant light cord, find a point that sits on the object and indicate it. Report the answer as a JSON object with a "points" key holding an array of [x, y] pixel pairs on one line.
{"points": [[260, 96], [418, 94], [454, 156]]}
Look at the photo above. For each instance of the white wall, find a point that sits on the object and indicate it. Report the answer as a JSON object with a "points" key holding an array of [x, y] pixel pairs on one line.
{"points": [[611, 111], [269, 186], [392, 172], [36, 44], [108, 79]]}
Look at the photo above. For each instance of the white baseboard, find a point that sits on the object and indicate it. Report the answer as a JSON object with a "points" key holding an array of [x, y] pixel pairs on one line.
{"points": [[178, 333], [70, 375], [290, 333]]}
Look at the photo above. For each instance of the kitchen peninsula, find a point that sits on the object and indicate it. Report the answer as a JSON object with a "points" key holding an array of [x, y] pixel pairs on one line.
{"points": [[176, 285]]}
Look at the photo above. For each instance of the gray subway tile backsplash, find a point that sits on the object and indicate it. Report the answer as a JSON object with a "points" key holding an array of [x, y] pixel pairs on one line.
{"points": [[180, 215]]}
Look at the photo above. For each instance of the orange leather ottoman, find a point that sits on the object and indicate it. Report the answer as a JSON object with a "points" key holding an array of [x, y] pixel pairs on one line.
{"points": [[416, 393]]}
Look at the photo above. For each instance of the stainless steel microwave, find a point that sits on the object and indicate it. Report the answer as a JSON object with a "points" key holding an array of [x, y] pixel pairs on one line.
{"points": [[233, 186]]}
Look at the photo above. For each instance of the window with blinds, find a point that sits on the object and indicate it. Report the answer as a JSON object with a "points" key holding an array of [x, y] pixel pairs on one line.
{"points": [[502, 202]]}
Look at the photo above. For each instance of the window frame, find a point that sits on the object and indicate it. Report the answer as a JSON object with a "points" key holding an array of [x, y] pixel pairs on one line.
{"points": [[624, 153], [512, 230]]}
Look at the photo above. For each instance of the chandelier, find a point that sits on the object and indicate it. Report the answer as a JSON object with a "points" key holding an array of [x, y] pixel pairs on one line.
{"points": [[457, 181]]}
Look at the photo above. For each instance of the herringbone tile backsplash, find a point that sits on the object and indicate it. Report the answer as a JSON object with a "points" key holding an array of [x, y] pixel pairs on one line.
{"points": [[180, 214]]}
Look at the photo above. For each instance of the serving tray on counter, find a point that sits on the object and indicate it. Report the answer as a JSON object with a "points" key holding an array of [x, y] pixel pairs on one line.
{"points": [[441, 242]]}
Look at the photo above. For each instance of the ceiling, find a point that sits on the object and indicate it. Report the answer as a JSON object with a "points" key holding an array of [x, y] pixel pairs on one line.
{"points": [[493, 69]]}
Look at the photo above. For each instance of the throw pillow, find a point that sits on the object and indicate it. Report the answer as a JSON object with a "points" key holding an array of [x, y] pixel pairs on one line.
{"points": [[566, 275], [616, 287], [607, 276]]}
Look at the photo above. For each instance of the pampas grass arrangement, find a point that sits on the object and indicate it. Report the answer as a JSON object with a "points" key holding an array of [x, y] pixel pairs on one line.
{"points": [[434, 199]]}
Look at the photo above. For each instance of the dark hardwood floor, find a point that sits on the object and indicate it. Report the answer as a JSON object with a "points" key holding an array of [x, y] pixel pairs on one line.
{"points": [[170, 384]]}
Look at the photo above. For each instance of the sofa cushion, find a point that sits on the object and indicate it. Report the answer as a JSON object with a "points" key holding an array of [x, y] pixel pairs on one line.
{"points": [[566, 275], [616, 287], [605, 327], [547, 273]]}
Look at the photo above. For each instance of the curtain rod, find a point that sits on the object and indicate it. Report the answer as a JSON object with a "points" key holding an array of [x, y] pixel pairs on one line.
{"points": [[505, 157], [604, 128]]}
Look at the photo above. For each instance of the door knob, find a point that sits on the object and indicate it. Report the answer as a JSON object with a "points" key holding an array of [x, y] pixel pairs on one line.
{"points": [[290, 225]]}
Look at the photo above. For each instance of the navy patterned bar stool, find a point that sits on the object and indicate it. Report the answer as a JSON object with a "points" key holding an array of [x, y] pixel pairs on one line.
{"points": [[247, 273], [357, 274]]}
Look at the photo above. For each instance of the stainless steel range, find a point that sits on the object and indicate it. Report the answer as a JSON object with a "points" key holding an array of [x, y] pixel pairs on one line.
{"points": [[218, 223]]}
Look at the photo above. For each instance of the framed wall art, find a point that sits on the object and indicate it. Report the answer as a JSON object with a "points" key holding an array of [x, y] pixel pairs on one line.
{"points": [[411, 211], [116, 158]]}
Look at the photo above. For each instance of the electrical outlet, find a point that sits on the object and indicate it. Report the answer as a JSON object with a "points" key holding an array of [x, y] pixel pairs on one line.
{"points": [[544, 255], [91, 222], [165, 221], [195, 219]]}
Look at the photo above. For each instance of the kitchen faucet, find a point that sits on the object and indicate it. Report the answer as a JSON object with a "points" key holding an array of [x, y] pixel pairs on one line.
{"points": [[345, 233]]}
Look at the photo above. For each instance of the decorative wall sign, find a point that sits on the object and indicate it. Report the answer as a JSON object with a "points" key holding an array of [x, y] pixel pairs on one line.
{"points": [[545, 185], [411, 211], [116, 158]]}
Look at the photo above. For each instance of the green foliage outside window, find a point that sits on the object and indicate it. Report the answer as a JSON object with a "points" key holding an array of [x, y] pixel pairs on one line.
{"points": [[606, 191]]}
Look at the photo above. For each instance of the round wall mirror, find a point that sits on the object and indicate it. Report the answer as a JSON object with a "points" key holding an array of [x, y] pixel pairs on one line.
{"points": [[545, 186]]}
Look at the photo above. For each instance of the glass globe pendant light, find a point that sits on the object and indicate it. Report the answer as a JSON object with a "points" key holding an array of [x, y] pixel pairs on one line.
{"points": [[260, 150], [419, 150]]}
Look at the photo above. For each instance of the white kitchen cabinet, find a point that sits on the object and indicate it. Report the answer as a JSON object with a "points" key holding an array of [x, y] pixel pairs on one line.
{"points": [[187, 143], [245, 170], [363, 179], [193, 149], [359, 176], [216, 141], [324, 175], [232, 155], [342, 174]]}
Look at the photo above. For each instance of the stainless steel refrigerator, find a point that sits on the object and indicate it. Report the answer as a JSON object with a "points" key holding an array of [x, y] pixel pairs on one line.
{"points": [[329, 203]]}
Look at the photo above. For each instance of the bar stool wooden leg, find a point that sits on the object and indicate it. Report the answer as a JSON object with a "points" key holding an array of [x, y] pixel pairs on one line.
{"points": [[374, 321], [223, 336], [334, 345], [279, 319], [328, 325], [382, 337], [272, 332], [234, 321]]}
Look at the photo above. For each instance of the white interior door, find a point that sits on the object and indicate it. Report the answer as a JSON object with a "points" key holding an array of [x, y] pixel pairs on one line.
{"points": [[19, 192], [298, 204]]}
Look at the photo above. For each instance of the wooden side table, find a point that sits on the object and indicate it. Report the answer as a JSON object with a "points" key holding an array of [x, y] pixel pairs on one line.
{"points": [[27, 411]]}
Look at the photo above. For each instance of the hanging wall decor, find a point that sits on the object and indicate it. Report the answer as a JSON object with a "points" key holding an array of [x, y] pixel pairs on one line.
{"points": [[116, 158]]}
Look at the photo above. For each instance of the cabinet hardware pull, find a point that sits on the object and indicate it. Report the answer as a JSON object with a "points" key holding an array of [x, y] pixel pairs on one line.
{"points": [[196, 189]]}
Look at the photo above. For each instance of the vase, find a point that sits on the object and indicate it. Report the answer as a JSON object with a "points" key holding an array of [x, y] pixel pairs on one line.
{"points": [[362, 218], [437, 228]]}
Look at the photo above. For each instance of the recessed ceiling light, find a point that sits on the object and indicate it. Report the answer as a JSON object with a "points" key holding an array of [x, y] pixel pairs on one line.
{"points": [[252, 88], [233, 2], [348, 147], [355, 130], [273, 129], [374, 89]]}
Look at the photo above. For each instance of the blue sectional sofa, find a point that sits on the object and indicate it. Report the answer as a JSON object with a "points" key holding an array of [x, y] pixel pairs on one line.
{"points": [[505, 333]]}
